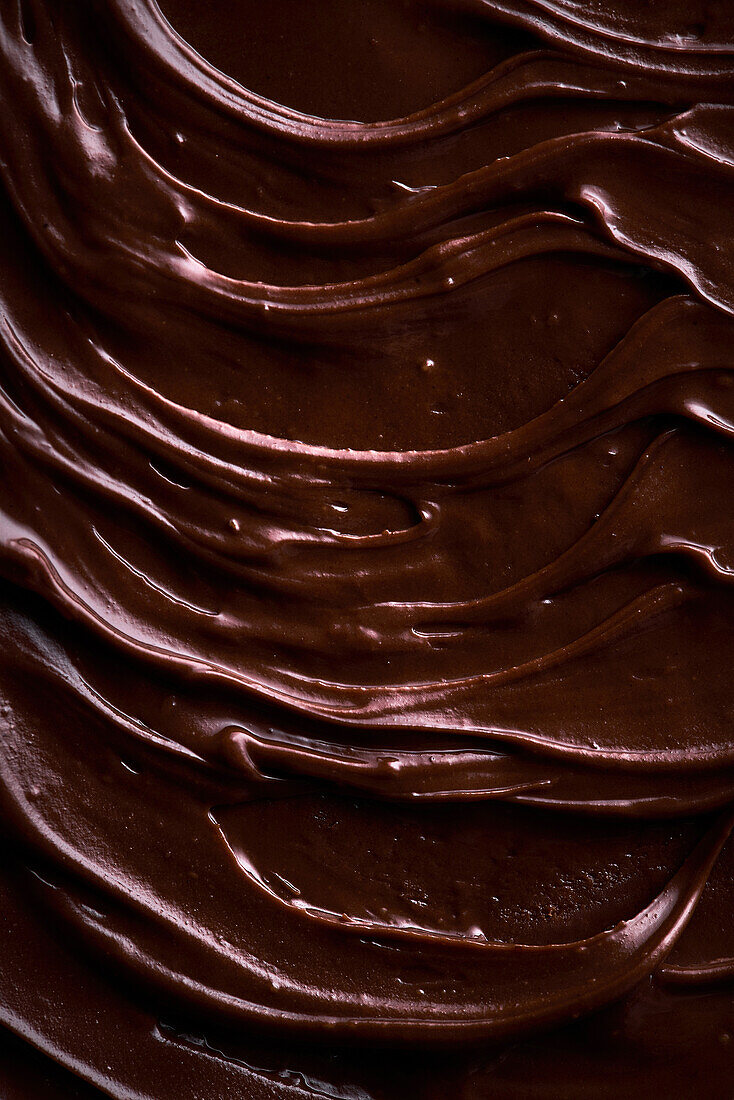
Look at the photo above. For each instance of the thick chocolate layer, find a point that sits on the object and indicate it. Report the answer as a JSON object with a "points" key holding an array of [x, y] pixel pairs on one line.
{"points": [[367, 547]]}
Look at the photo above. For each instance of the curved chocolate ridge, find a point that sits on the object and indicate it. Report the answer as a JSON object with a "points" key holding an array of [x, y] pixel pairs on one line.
{"points": [[367, 551]]}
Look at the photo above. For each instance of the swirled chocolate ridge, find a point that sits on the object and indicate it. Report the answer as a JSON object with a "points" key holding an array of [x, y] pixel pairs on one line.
{"points": [[367, 548]]}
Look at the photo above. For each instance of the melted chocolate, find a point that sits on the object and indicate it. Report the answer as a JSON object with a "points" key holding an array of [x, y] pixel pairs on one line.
{"points": [[367, 547]]}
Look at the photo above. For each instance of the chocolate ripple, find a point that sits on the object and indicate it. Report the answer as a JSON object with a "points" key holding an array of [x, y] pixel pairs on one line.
{"points": [[366, 547]]}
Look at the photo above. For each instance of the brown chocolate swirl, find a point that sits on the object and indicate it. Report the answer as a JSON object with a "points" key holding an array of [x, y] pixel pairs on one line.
{"points": [[367, 545]]}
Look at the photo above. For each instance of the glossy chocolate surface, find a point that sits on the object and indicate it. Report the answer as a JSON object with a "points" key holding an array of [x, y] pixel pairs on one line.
{"points": [[366, 549]]}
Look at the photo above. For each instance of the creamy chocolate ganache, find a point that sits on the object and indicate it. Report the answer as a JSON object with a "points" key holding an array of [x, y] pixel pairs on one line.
{"points": [[366, 549]]}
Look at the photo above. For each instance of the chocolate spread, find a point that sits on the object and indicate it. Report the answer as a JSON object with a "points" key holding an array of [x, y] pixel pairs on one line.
{"points": [[366, 549]]}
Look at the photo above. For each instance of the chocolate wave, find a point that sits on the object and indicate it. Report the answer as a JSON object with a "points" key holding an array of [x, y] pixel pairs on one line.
{"points": [[367, 548]]}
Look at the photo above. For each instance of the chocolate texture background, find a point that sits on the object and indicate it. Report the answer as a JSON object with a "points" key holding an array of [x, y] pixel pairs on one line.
{"points": [[366, 549]]}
